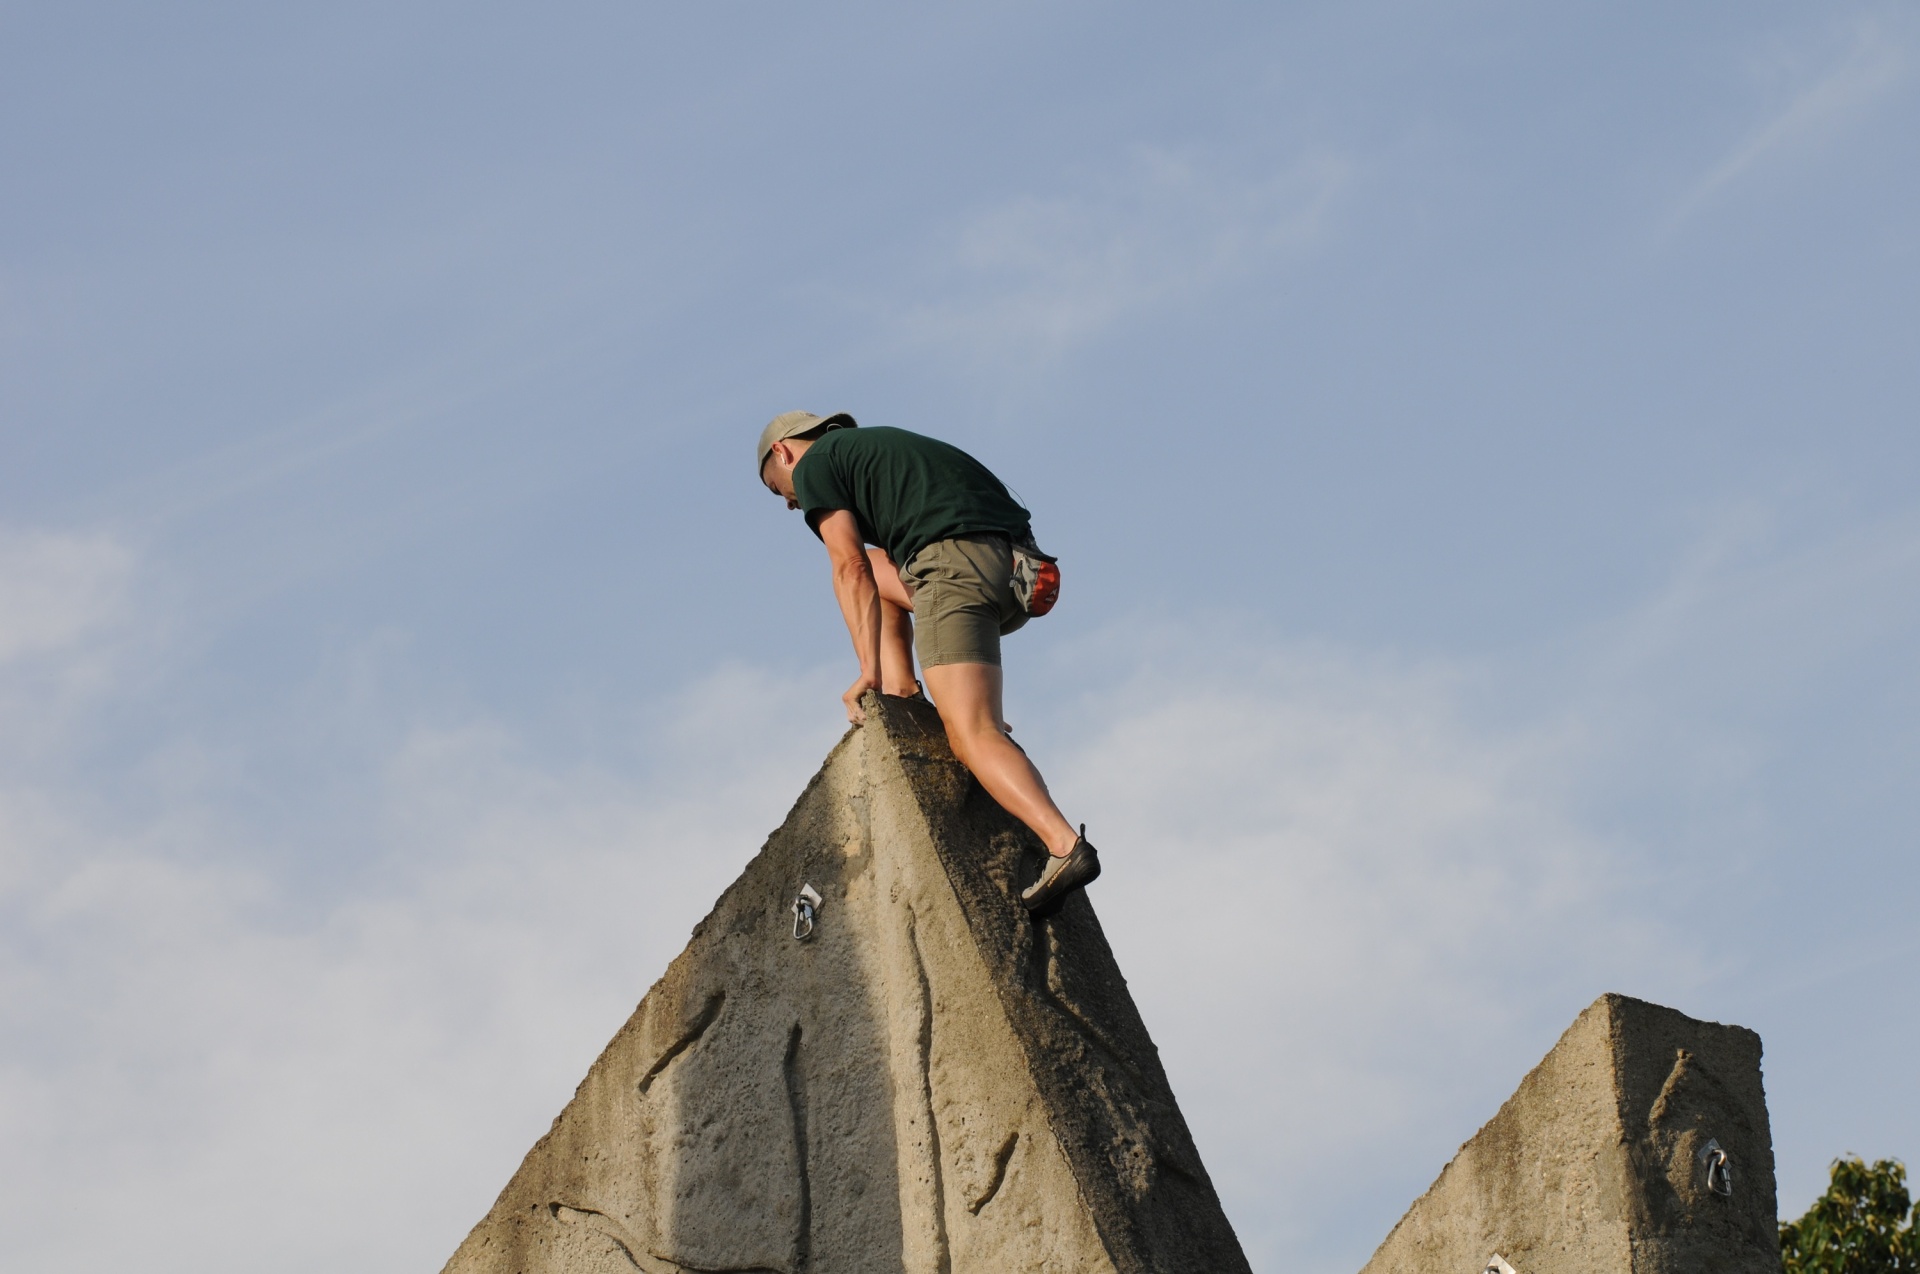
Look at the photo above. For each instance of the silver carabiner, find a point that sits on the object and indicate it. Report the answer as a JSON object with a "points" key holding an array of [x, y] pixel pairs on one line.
{"points": [[1719, 1169], [805, 905]]}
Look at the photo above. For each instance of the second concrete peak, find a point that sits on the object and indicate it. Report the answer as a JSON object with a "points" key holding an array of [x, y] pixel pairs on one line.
{"points": [[1639, 1145]]}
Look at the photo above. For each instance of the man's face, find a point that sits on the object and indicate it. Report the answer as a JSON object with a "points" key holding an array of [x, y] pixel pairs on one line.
{"points": [[777, 472]]}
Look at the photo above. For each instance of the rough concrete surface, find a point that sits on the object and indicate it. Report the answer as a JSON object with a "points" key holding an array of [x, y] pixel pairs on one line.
{"points": [[1600, 1163], [932, 1082]]}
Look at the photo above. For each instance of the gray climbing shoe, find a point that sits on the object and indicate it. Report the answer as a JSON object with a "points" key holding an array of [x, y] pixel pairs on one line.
{"points": [[1076, 869]]}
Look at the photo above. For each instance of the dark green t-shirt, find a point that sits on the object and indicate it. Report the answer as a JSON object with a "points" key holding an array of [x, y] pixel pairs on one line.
{"points": [[905, 490]]}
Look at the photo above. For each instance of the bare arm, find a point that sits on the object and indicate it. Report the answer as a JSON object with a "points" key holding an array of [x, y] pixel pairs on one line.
{"points": [[859, 596]]}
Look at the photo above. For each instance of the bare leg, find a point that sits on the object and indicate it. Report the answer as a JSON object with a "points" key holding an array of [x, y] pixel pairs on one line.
{"points": [[896, 627], [968, 696], [896, 650]]}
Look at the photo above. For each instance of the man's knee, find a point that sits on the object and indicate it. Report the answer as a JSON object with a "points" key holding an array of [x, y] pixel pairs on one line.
{"points": [[970, 729]]}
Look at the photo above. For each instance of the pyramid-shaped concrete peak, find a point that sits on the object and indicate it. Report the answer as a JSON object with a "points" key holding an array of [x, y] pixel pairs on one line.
{"points": [[1639, 1145], [931, 1081]]}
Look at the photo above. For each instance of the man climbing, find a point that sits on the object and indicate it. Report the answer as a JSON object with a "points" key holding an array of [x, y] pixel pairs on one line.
{"points": [[934, 508]]}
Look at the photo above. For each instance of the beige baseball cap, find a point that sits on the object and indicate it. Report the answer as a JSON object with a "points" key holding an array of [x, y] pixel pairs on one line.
{"points": [[789, 424]]}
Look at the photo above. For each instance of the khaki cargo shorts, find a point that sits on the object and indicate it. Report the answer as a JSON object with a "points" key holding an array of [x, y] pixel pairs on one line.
{"points": [[963, 601]]}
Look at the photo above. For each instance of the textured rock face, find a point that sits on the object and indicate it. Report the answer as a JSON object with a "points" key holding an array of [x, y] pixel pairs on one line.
{"points": [[930, 1082], [1604, 1161]]}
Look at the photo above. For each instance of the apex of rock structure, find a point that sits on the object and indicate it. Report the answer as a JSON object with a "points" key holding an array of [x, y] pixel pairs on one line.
{"points": [[928, 1080], [1639, 1145]]}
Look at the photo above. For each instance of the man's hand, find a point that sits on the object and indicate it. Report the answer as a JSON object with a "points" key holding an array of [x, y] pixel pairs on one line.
{"points": [[862, 684]]}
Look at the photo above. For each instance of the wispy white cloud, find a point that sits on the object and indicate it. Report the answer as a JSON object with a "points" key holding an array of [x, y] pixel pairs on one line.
{"points": [[202, 1066], [58, 589], [1874, 63], [1030, 277], [1753, 613], [1351, 916]]}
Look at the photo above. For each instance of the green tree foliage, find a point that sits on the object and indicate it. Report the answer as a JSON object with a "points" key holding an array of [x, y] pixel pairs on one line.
{"points": [[1864, 1224]]}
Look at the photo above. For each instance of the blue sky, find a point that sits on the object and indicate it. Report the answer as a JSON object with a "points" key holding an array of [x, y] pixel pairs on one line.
{"points": [[1480, 440]]}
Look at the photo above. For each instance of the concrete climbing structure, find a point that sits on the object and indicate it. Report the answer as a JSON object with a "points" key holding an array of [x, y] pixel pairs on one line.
{"points": [[868, 1058]]}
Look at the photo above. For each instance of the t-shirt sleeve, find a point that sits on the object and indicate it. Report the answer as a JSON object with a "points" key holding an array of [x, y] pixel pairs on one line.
{"points": [[819, 487]]}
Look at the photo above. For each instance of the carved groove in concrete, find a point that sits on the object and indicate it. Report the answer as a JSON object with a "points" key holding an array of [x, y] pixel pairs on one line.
{"points": [[932, 1083]]}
